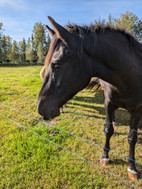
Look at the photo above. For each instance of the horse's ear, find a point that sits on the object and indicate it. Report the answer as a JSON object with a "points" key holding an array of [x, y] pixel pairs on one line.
{"points": [[62, 33], [51, 32]]}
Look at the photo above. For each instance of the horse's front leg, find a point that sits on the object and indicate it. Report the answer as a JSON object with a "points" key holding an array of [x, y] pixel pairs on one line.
{"points": [[108, 130], [106, 120]]}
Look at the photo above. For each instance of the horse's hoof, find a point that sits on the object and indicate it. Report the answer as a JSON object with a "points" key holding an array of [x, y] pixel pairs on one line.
{"points": [[133, 175], [104, 161]]}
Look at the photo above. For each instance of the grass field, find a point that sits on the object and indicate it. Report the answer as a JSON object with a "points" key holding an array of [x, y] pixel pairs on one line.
{"points": [[29, 161]]}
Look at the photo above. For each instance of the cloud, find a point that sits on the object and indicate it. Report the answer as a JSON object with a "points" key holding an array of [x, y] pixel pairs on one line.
{"points": [[16, 4]]}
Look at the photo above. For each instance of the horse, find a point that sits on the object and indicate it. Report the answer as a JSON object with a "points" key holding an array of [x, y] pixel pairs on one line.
{"points": [[78, 53]]}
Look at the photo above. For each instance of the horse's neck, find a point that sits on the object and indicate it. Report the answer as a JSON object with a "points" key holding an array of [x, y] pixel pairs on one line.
{"points": [[107, 61], [106, 74], [112, 50]]}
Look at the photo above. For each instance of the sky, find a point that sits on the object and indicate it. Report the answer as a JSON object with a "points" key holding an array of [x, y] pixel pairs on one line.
{"points": [[19, 16]]}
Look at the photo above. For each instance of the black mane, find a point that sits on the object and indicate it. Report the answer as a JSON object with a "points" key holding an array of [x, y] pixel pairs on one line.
{"points": [[97, 28], [102, 28]]}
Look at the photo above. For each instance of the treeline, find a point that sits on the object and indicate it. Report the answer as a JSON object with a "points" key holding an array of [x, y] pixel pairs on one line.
{"points": [[30, 52], [34, 50], [128, 20]]}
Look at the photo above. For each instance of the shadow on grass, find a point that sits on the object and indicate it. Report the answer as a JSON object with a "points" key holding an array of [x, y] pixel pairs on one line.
{"points": [[121, 116], [98, 98], [117, 133], [125, 162], [118, 162], [139, 139], [90, 112]]}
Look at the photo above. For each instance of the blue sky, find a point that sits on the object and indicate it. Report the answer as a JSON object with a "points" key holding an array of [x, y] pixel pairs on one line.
{"points": [[19, 16]]}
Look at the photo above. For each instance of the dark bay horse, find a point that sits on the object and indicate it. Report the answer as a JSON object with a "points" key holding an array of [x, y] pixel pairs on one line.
{"points": [[77, 54]]}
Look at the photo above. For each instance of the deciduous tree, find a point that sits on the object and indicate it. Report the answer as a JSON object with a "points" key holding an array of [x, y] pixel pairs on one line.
{"points": [[131, 22], [29, 52], [14, 54], [22, 51], [40, 53]]}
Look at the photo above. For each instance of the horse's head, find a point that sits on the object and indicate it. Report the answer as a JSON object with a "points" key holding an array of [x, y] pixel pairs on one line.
{"points": [[65, 73]]}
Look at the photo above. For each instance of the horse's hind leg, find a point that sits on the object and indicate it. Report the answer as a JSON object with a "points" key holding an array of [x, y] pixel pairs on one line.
{"points": [[108, 130], [132, 139]]}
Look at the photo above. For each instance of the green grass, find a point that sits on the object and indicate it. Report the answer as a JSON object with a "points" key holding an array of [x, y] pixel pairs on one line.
{"points": [[28, 161]]}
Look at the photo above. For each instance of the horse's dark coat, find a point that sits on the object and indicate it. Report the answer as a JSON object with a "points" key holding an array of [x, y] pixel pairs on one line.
{"points": [[81, 53]]}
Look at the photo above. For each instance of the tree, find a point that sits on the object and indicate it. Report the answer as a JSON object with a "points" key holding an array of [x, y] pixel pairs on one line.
{"points": [[6, 47], [47, 44], [14, 54], [1, 24], [39, 36], [35, 49], [100, 21], [127, 20], [1, 53], [22, 49], [131, 22], [110, 20], [40, 53], [138, 29], [29, 52]]}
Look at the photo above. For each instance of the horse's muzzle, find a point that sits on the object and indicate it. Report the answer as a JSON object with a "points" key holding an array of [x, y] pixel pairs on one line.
{"points": [[47, 113], [53, 114]]}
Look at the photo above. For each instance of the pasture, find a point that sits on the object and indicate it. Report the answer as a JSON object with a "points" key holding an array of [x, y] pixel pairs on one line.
{"points": [[29, 161]]}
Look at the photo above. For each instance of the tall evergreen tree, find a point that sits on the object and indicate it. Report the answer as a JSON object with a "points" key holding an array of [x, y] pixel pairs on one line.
{"points": [[1, 51], [6, 47]]}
